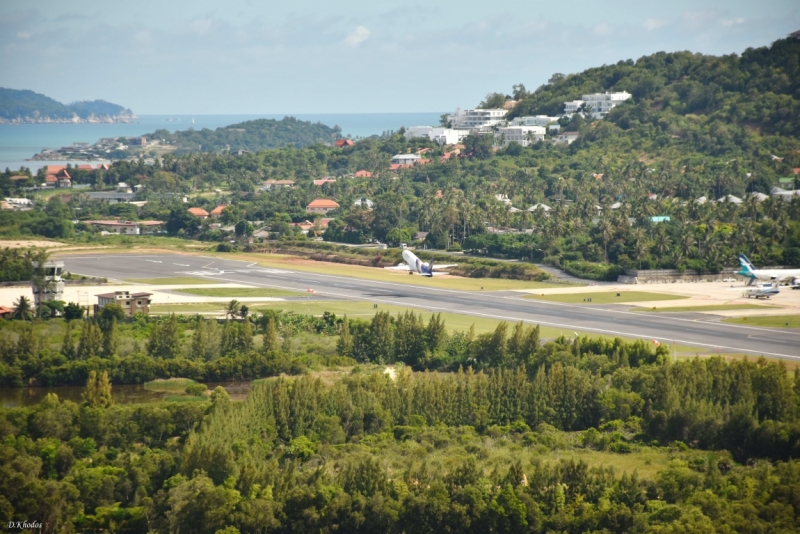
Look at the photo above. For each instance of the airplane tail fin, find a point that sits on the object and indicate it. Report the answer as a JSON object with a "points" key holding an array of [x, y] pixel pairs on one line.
{"points": [[430, 268], [747, 267]]}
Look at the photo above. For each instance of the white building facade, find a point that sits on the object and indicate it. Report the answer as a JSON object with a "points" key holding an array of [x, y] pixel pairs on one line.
{"points": [[537, 120], [524, 135], [477, 119], [442, 136], [600, 103], [406, 159]]}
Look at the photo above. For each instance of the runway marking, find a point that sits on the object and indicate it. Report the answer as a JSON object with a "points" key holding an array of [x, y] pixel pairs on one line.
{"points": [[558, 325], [727, 325], [406, 286], [206, 265], [182, 264], [155, 261]]}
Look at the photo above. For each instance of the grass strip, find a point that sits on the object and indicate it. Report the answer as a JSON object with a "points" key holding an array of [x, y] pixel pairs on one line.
{"points": [[236, 292], [775, 321]]}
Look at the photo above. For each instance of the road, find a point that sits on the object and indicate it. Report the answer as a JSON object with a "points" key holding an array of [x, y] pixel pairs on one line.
{"points": [[683, 329]]}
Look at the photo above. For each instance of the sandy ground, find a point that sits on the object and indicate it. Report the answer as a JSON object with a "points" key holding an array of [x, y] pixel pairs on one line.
{"points": [[700, 294], [161, 293], [25, 243]]}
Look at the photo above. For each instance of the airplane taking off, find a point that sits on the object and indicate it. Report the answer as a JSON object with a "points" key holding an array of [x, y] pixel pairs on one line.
{"points": [[773, 275], [415, 265]]}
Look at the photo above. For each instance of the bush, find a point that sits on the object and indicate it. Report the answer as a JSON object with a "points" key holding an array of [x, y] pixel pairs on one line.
{"points": [[224, 247], [593, 271]]}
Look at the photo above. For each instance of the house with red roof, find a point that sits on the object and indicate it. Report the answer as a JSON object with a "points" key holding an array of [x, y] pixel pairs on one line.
{"points": [[321, 205], [362, 174], [325, 180], [342, 143], [217, 212], [198, 212], [85, 167]]}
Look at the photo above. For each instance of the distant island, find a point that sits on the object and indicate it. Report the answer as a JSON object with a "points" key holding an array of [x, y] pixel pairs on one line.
{"points": [[248, 136], [28, 107]]}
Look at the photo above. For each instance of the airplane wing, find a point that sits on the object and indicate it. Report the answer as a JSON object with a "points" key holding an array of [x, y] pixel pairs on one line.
{"points": [[445, 266], [399, 267]]}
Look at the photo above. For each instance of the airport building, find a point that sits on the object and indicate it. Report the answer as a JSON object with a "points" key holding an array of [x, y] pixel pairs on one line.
{"points": [[131, 303]]}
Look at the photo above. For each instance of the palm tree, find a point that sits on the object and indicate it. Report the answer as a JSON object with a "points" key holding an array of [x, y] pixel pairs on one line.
{"points": [[233, 309], [23, 309]]}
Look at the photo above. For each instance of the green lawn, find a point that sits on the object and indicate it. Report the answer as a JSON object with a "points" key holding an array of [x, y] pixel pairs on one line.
{"points": [[169, 385], [605, 297], [712, 307], [372, 273], [174, 281], [778, 321], [236, 292]]}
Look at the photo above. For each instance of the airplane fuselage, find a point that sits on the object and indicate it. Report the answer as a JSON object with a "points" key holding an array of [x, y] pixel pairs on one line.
{"points": [[415, 264]]}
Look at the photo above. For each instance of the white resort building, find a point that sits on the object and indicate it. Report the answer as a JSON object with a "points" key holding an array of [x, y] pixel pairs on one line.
{"points": [[600, 103], [524, 135], [477, 119], [442, 136]]}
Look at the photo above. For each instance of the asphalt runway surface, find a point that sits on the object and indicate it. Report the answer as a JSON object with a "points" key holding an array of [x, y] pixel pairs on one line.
{"points": [[686, 329]]}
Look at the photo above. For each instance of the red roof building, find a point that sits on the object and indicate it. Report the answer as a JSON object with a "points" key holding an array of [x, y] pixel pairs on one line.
{"points": [[85, 167], [323, 181], [199, 212], [342, 143], [217, 212], [321, 205], [5, 312], [362, 174]]}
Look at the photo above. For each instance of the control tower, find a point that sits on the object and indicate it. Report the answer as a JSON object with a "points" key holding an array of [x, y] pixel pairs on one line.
{"points": [[50, 286]]}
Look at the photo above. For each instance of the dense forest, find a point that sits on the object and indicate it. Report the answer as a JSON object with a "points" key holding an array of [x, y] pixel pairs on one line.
{"points": [[669, 153], [251, 135], [486, 447], [26, 104]]}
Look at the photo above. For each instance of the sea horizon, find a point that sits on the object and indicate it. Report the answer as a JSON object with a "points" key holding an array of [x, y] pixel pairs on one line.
{"points": [[19, 142]]}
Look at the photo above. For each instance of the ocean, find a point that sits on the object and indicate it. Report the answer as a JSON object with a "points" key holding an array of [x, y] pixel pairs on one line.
{"points": [[19, 142]]}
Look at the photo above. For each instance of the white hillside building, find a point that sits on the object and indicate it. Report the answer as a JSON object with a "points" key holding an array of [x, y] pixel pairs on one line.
{"points": [[477, 119], [538, 120], [601, 103], [442, 136], [524, 135]]}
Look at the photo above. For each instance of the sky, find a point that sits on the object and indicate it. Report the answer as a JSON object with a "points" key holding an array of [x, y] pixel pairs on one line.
{"points": [[360, 56]]}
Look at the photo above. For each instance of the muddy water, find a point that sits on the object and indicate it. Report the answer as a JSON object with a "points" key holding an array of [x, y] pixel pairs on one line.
{"points": [[123, 394]]}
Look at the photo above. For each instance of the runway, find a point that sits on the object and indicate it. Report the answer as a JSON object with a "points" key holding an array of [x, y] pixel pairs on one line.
{"points": [[503, 305]]}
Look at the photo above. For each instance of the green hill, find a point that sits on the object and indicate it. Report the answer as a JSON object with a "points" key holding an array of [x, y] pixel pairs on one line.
{"points": [[250, 135], [697, 103], [28, 105]]}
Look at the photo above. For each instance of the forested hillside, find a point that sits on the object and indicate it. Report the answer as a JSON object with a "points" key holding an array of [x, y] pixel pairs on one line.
{"points": [[732, 104], [252, 135], [28, 105]]}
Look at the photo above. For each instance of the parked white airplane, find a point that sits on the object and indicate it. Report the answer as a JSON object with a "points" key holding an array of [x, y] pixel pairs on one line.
{"points": [[762, 290], [415, 265], [768, 275]]}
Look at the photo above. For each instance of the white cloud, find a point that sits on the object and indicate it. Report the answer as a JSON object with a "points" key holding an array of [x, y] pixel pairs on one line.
{"points": [[24, 35], [730, 22], [603, 29], [357, 36], [653, 24]]}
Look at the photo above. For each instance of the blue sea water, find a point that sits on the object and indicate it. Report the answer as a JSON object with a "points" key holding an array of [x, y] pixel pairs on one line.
{"points": [[19, 142]]}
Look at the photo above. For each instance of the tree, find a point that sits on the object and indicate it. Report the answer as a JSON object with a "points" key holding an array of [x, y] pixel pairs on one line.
{"points": [[270, 340], [233, 308], [73, 311], [91, 341], [243, 229], [98, 390], [344, 346], [479, 146], [493, 101], [164, 341], [23, 309], [110, 313], [397, 236], [68, 344]]}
